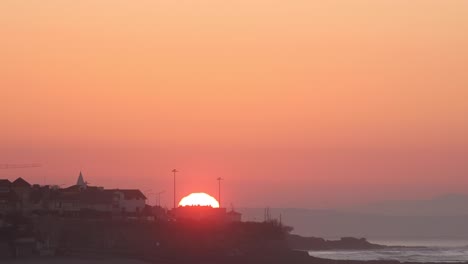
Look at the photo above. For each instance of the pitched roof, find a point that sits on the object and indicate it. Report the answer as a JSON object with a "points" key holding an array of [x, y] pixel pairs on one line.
{"points": [[130, 193], [78, 188], [20, 182], [73, 188]]}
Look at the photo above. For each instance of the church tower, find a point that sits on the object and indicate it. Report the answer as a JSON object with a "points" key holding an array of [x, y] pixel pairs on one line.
{"points": [[80, 182]]}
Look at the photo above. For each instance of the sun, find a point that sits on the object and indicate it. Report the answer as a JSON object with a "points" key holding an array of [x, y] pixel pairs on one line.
{"points": [[201, 199]]}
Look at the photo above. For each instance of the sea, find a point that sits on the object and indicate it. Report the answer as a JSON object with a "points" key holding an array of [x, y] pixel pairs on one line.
{"points": [[405, 250]]}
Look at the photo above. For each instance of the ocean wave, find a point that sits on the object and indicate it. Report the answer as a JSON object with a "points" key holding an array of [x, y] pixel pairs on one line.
{"points": [[428, 254]]}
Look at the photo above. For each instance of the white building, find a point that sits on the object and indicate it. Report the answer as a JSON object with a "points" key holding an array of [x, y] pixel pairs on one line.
{"points": [[129, 201]]}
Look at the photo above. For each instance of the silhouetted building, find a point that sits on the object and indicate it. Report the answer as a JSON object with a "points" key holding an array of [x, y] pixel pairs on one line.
{"points": [[20, 196], [76, 199], [205, 213], [13, 195], [5, 185], [81, 197], [233, 216], [9, 201], [129, 201]]}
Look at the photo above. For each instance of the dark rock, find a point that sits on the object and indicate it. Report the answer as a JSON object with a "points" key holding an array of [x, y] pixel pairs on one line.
{"points": [[315, 243]]}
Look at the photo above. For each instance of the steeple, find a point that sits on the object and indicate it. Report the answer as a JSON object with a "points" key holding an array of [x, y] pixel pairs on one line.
{"points": [[81, 181]]}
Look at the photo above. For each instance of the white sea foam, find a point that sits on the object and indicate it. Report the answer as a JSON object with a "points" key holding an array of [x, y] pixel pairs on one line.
{"points": [[429, 254]]}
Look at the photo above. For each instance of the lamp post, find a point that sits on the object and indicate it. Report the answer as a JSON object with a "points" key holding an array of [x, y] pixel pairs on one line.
{"points": [[219, 190], [174, 171]]}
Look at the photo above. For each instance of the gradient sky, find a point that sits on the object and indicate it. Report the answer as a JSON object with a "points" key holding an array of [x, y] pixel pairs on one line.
{"points": [[297, 103]]}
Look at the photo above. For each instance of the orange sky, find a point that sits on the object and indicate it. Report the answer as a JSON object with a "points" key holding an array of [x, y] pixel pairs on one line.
{"points": [[307, 103]]}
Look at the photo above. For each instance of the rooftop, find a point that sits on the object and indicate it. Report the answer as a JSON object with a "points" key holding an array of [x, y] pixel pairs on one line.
{"points": [[20, 182]]}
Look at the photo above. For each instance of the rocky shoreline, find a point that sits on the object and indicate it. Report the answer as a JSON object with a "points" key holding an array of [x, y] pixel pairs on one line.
{"points": [[315, 243]]}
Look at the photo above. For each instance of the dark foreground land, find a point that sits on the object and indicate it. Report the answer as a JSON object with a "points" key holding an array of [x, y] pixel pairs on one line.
{"points": [[296, 257], [82, 241]]}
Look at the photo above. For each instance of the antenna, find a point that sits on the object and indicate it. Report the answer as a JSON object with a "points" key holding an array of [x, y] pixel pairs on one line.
{"points": [[267, 215], [174, 171], [219, 190]]}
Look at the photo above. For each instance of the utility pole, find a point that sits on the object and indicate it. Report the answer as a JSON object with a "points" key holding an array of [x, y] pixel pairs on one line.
{"points": [[174, 171], [219, 190]]}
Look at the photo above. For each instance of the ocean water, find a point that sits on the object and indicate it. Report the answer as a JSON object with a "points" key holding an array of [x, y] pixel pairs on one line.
{"points": [[422, 242], [416, 254]]}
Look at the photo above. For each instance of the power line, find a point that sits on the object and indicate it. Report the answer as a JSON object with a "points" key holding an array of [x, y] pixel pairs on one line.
{"points": [[19, 166]]}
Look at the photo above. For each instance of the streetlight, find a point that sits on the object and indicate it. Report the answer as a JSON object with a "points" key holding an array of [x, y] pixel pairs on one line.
{"points": [[219, 190], [174, 171]]}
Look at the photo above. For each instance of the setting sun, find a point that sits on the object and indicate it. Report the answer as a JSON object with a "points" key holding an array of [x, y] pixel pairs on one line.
{"points": [[199, 199]]}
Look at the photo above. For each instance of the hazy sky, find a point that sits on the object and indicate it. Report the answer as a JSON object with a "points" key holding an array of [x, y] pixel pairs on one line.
{"points": [[298, 103]]}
